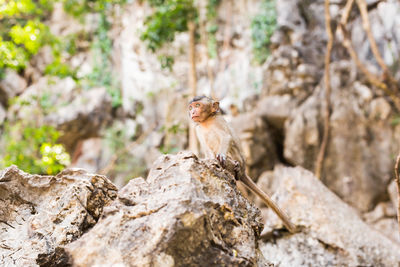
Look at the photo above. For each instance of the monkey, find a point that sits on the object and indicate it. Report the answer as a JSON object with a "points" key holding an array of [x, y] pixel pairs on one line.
{"points": [[218, 141]]}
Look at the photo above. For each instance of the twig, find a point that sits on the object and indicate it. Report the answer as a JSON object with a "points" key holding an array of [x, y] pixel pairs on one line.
{"points": [[362, 5], [396, 171], [325, 138], [372, 78]]}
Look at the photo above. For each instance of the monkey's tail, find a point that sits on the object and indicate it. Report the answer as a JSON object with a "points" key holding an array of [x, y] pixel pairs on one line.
{"points": [[270, 203]]}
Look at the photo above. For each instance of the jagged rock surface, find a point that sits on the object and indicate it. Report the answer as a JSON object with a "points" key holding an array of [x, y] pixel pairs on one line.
{"points": [[332, 232], [187, 213], [40, 213]]}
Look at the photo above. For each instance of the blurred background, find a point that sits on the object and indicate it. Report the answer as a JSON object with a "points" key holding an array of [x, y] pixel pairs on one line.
{"points": [[104, 85]]}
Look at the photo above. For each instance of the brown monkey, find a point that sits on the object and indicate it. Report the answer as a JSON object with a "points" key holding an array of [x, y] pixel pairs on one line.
{"points": [[218, 141]]}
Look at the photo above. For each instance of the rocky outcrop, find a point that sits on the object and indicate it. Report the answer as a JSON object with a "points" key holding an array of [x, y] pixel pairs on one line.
{"points": [[187, 213], [332, 232], [39, 214], [358, 162]]}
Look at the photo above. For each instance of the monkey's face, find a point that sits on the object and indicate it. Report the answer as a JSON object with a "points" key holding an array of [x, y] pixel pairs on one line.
{"points": [[199, 111]]}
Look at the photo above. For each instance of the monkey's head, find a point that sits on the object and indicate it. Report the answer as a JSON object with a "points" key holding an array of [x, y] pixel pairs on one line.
{"points": [[202, 107]]}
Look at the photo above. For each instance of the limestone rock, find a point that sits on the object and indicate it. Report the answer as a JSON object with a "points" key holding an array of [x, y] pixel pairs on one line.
{"points": [[332, 232], [187, 213], [40, 213]]}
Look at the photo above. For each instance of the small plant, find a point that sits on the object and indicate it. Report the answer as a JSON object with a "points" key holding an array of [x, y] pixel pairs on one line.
{"points": [[169, 17], [33, 149], [263, 26]]}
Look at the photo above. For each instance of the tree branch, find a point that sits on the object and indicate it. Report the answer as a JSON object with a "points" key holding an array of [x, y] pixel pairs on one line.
{"points": [[327, 81]]}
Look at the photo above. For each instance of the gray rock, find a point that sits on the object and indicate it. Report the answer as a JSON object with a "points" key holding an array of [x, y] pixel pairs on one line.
{"points": [[41, 213], [332, 232], [187, 213]]}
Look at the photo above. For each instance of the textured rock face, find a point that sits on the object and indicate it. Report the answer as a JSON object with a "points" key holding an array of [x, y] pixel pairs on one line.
{"points": [[40, 213], [358, 162], [332, 234], [187, 213]]}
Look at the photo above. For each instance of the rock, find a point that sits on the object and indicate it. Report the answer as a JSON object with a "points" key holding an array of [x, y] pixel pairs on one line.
{"points": [[38, 214], [358, 161], [287, 73], [88, 155], [258, 147], [382, 210], [392, 189], [83, 118], [332, 232], [388, 227], [276, 109], [11, 85], [187, 213]]}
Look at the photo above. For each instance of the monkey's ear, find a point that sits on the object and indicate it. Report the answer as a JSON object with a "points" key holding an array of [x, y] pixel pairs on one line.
{"points": [[215, 106]]}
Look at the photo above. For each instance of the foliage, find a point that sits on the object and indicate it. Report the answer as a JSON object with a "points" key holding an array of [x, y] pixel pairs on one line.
{"points": [[78, 8], [212, 27], [32, 149], [23, 32], [263, 26], [169, 18]]}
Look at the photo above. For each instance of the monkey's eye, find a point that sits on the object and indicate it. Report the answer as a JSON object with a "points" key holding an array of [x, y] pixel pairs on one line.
{"points": [[197, 105], [190, 107]]}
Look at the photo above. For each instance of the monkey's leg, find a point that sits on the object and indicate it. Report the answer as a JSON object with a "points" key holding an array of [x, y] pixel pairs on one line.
{"points": [[270, 203]]}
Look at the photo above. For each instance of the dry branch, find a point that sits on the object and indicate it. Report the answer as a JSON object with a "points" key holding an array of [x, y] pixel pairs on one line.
{"points": [[325, 138], [391, 89], [396, 171]]}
